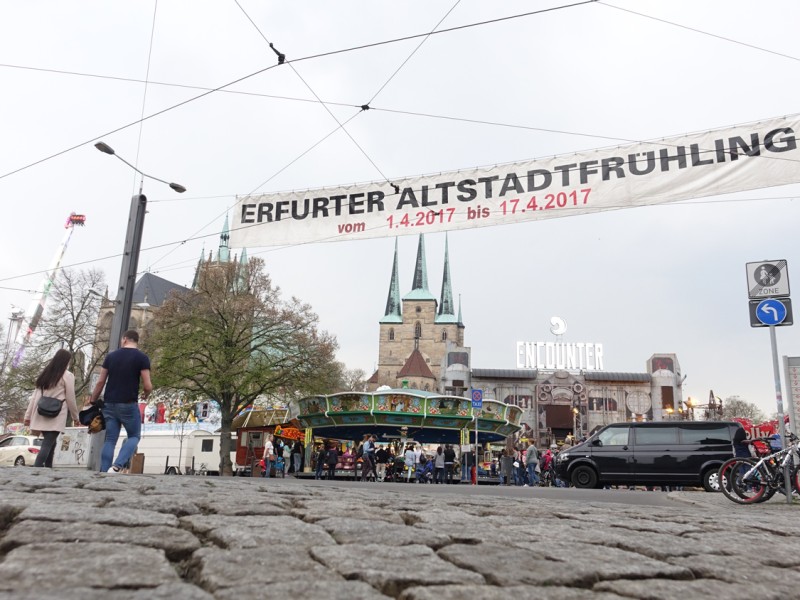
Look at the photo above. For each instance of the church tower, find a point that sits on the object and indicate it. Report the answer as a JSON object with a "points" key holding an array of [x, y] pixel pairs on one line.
{"points": [[414, 332]]}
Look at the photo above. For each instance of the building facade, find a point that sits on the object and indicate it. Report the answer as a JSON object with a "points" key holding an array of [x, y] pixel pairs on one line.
{"points": [[565, 391]]}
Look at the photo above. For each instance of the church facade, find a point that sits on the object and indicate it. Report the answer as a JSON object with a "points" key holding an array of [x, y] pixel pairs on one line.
{"points": [[418, 330]]}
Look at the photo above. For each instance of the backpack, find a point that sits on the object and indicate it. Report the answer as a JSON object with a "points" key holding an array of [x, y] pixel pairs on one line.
{"points": [[360, 451]]}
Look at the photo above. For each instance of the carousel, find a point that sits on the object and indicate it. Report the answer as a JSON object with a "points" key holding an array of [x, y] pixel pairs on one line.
{"points": [[406, 414]]}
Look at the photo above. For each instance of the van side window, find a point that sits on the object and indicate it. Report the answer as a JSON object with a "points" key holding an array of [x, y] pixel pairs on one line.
{"points": [[614, 436], [711, 434], [656, 435]]}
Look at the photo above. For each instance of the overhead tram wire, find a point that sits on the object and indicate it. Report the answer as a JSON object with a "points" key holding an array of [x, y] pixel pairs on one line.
{"points": [[281, 58], [310, 57], [700, 31], [144, 98], [278, 172]]}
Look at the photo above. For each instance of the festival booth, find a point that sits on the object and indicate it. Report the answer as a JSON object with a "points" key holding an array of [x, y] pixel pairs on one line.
{"points": [[252, 427]]}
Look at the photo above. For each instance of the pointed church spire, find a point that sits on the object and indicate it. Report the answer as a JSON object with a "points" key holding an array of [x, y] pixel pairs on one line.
{"points": [[241, 275], [196, 280], [393, 308], [460, 320], [419, 287], [224, 254], [446, 303], [421, 269]]}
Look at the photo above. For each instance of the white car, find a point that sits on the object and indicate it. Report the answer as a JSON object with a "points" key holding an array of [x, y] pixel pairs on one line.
{"points": [[19, 450]]}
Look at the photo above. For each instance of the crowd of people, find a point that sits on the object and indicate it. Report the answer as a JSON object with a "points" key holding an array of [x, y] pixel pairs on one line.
{"points": [[441, 464]]}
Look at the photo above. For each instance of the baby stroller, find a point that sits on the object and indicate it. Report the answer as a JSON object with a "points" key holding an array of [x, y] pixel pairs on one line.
{"points": [[424, 473], [394, 470]]}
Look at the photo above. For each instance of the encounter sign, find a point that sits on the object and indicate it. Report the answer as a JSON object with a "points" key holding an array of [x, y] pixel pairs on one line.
{"points": [[734, 159]]}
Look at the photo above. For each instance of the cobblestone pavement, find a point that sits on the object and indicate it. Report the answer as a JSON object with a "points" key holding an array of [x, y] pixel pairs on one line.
{"points": [[79, 535]]}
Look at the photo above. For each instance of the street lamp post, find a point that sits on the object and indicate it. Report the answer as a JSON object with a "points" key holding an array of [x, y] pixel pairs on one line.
{"points": [[127, 277]]}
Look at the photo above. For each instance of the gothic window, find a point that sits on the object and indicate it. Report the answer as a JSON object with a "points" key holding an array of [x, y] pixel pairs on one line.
{"points": [[444, 335], [391, 334], [417, 334]]}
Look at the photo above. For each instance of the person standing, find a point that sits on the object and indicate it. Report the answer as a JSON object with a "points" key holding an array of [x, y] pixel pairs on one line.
{"points": [[319, 458], [531, 462], [297, 457], [410, 460], [287, 458], [438, 466], [449, 461], [122, 372], [507, 466], [367, 456], [381, 458], [55, 382], [269, 455]]}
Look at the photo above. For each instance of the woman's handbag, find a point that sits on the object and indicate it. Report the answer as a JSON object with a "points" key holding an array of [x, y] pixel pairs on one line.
{"points": [[49, 407]]}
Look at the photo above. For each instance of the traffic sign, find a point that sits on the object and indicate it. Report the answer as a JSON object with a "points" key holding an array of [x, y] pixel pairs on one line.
{"points": [[771, 312], [767, 279], [477, 398]]}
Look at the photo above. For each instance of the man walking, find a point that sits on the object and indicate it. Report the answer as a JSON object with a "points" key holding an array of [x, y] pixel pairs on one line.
{"points": [[121, 374]]}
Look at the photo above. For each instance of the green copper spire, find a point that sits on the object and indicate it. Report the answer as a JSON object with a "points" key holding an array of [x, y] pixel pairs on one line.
{"points": [[393, 312], [419, 288], [447, 313], [196, 280], [224, 254], [241, 270]]}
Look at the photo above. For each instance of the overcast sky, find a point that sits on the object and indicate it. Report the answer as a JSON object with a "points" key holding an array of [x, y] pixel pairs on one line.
{"points": [[668, 278]]}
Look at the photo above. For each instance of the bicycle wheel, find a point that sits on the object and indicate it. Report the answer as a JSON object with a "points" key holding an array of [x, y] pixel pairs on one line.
{"points": [[734, 488]]}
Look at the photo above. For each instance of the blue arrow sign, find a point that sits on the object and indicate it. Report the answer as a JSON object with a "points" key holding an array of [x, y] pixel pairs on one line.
{"points": [[771, 311], [477, 398]]}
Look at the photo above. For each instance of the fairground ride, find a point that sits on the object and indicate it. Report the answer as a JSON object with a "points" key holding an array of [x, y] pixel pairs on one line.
{"points": [[22, 326]]}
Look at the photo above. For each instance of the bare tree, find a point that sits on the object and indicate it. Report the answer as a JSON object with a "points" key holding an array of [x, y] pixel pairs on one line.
{"points": [[735, 406], [69, 322]]}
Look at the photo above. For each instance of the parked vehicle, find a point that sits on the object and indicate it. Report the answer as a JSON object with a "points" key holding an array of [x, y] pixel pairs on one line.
{"points": [[19, 450], [669, 453]]}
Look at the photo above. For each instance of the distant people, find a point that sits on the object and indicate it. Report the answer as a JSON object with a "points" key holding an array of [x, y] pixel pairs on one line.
{"points": [[449, 462], [121, 374], [55, 381]]}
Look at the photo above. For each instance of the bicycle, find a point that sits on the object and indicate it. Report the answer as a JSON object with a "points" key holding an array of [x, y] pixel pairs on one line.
{"points": [[748, 480]]}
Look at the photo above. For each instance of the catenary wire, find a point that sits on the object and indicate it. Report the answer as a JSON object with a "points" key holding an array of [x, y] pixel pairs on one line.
{"points": [[340, 125], [144, 98], [310, 57], [700, 31]]}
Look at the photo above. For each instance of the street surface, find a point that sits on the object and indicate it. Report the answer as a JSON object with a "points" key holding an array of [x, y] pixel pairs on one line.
{"points": [[79, 535]]}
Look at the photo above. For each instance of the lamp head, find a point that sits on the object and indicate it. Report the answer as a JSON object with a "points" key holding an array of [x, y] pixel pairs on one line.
{"points": [[176, 186], [103, 147]]}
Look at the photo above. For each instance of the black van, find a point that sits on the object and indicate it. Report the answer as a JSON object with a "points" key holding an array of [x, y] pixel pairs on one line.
{"points": [[663, 453]]}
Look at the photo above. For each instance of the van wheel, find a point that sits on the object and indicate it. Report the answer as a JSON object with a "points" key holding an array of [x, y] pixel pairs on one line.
{"points": [[172, 471], [584, 477], [711, 480]]}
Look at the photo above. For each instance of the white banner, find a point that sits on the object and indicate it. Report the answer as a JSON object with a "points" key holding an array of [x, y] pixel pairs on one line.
{"points": [[729, 160]]}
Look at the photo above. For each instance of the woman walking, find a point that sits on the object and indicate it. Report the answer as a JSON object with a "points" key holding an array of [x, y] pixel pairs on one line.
{"points": [[438, 466], [53, 382]]}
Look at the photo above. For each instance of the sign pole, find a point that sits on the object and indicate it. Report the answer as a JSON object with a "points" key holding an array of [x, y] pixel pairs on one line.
{"points": [[787, 373], [779, 397]]}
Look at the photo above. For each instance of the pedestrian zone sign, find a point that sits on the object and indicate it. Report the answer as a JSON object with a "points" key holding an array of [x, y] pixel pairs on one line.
{"points": [[767, 279]]}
